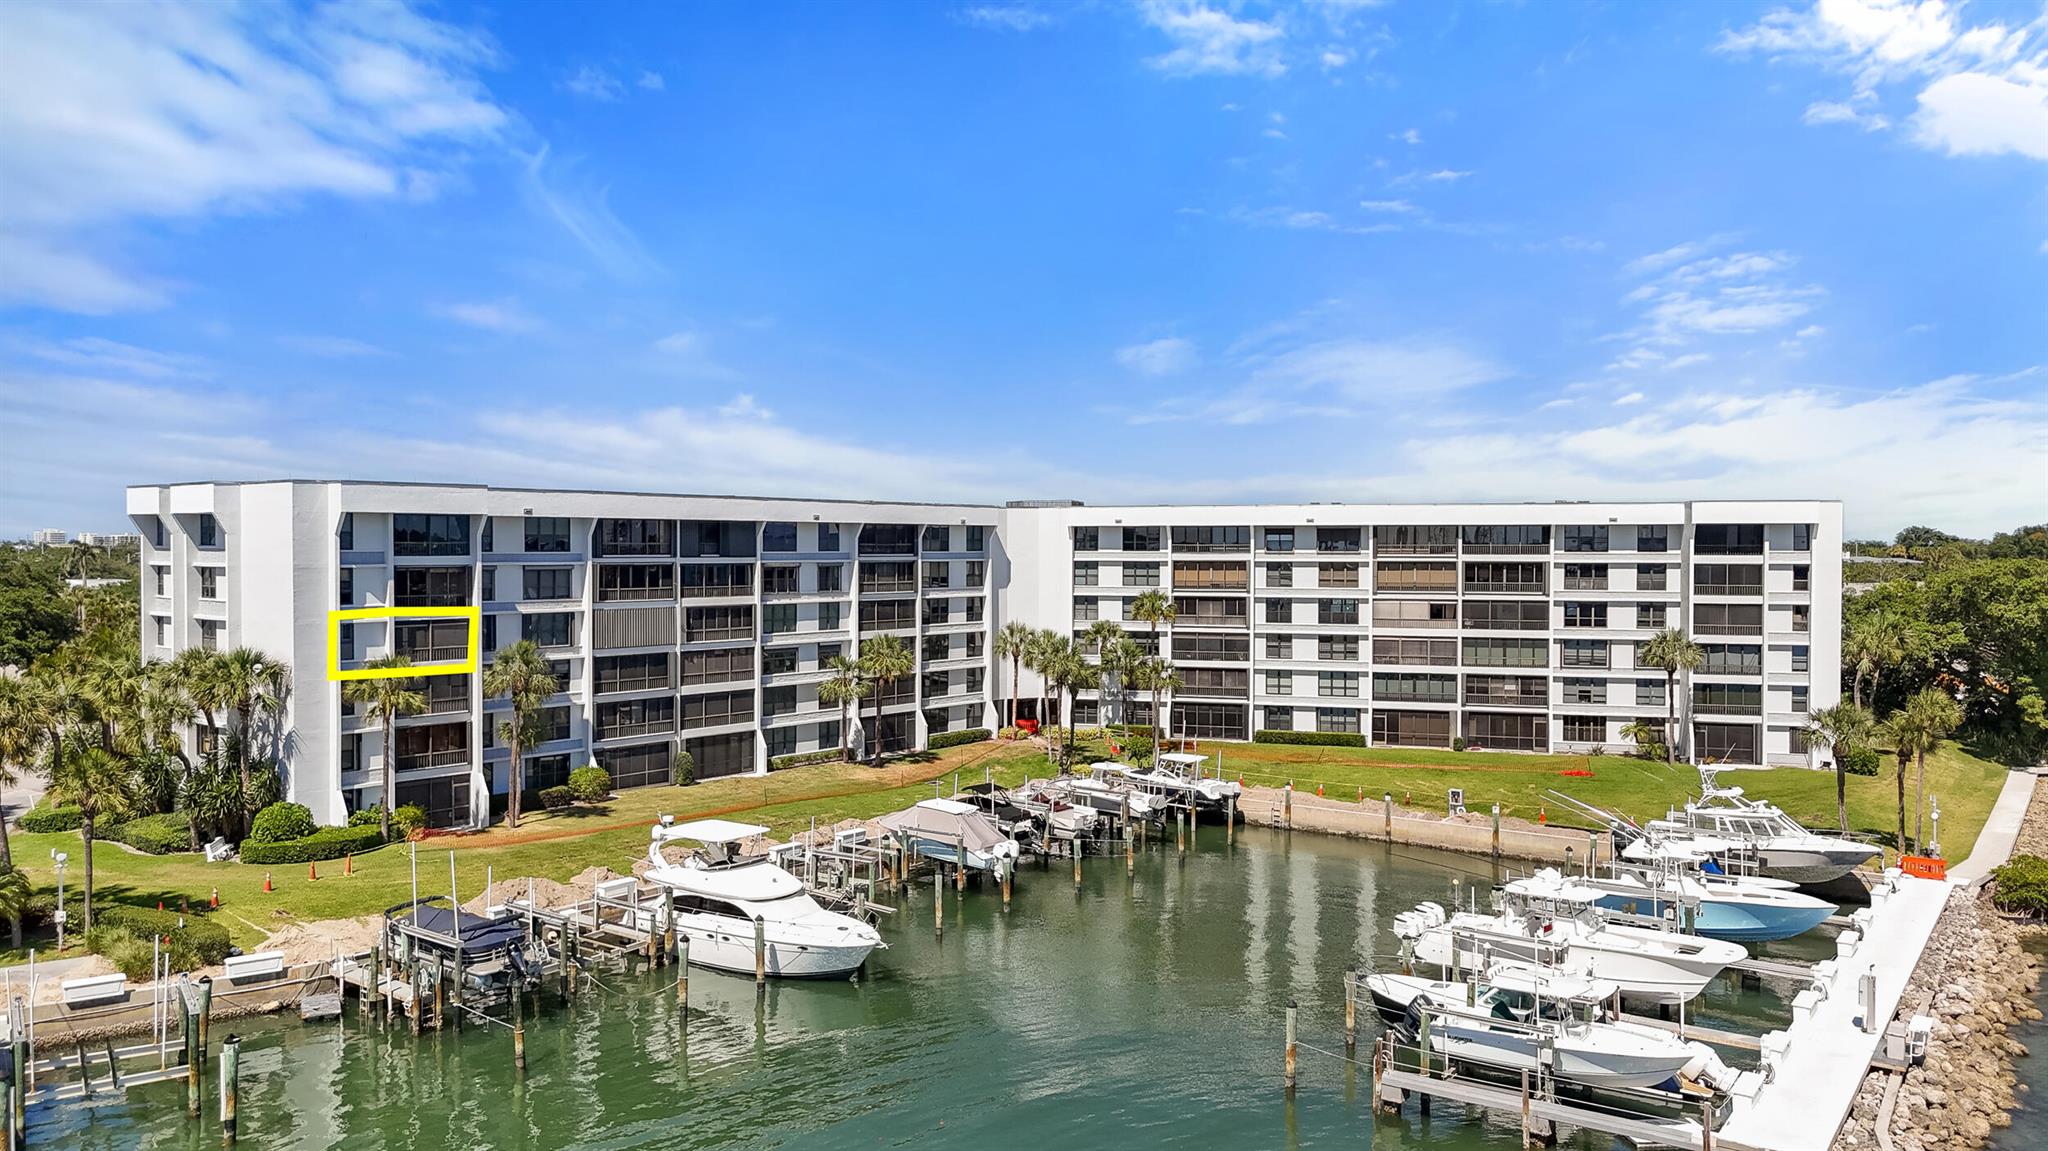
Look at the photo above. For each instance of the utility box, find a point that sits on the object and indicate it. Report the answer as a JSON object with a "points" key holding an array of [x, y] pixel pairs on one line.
{"points": [[1457, 801]]}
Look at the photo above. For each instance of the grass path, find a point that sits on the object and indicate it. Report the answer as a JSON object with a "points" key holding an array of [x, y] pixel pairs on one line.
{"points": [[558, 845]]}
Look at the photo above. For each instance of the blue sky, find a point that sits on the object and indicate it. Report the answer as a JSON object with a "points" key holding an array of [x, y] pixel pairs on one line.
{"points": [[1109, 251]]}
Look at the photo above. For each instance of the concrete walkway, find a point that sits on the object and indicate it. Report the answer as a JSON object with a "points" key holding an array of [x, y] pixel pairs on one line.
{"points": [[2001, 830]]}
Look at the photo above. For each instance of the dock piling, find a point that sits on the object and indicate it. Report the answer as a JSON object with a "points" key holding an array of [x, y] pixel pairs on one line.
{"points": [[683, 976], [960, 863], [760, 955], [1290, 1047], [1287, 805], [1496, 831], [1350, 1010], [1180, 832], [230, 1070], [1003, 868], [1077, 865], [193, 1057], [1130, 856], [1387, 814], [1229, 820], [939, 902]]}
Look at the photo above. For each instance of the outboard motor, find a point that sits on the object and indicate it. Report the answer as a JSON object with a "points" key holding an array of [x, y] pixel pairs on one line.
{"points": [[1409, 1029]]}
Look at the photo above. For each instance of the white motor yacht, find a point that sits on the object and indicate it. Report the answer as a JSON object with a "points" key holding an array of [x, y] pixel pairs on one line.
{"points": [[1551, 924], [1516, 1018], [718, 895], [1106, 789], [1179, 779]]}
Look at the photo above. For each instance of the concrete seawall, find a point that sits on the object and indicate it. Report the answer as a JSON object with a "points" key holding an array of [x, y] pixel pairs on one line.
{"points": [[1474, 833]]}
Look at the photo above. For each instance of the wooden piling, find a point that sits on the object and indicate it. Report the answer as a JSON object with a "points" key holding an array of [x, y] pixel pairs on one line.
{"points": [[683, 975], [1387, 814], [1496, 831], [1229, 820], [960, 863], [938, 903], [1076, 846], [230, 1070], [1180, 832], [1004, 867], [760, 955], [1525, 1107], [668, 932], [1290, 1047], [1351, 1009], [1130, 856], [205, 1012], [1287, 806], [18, 1101], [454, 1018], [192, 1057]]}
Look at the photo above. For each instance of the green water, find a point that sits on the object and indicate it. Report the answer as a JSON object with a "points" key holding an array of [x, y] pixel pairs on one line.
{"points": [[2029, 1130], [1132, 1014]]}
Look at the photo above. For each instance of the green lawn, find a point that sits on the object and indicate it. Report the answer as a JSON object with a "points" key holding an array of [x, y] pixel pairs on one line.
{"points": [[557, 845]]}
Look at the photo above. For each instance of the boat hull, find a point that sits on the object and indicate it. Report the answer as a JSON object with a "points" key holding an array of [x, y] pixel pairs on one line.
{"points": [[1813, 865], [1733, 920], [1649, 976], [727, 944]]}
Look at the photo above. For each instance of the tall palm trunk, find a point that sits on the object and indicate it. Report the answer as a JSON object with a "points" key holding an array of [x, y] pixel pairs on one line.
{"points": [[881, 689], [1901, 776], [845, 734], [242, 718], [518, 780], [1920, 799], [85, 832], [1670, 717], [1016, 687], [390, 779], [1841, 788]]}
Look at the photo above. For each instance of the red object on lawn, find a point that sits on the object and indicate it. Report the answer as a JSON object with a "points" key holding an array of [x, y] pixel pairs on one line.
{"points": [[1578, 771], [1028, 725]]}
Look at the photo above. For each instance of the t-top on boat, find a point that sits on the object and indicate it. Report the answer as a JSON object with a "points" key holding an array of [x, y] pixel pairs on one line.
{"points": [[1681, 874], [718, 894], [1783, 848], [1179, 777]]}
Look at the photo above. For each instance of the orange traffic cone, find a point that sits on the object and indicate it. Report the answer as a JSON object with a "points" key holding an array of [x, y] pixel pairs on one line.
{"points": [[1319, 791], [1541, 815], [159, 905], [312, 871], [266, 882], [348, 864], [214, 900]]}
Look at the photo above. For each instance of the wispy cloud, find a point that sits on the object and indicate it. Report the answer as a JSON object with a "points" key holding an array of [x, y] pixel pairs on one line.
{"points": [[505, 316], [594, 83], [1687, 294], [1290, 377], [102, 356], [217, 109], [1982, 87], [1007, 17], [557, 191], [333, 347], [1411, 136], [651, 81], [1167, 356], [1212, 41]]}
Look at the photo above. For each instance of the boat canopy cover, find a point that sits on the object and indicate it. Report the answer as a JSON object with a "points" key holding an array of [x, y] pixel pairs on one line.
{"points": [[1184, 759], [758, 881], [709, 831], [1549, 983], [481, 934], [945, 820]]}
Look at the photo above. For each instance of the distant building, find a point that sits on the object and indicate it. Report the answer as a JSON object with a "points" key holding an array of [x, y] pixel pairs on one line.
{"points": [[49, 538], [111, 539]]}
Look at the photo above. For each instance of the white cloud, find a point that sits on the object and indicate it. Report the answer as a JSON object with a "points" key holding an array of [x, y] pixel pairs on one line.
{"points": [[1688, 295], [1446, 176], [651, 81], [1211, 41], [1162, 357], [743, 407], [1008, 17], [1338, 377], [1631, 398], [1334, 57], [1398, 207], [124, 112], [1411, 136], [556, 191], [593, 83], [1299, 219], [504, 316], [97, 355], [1983, 88], [333, 347], [1836, 112]]}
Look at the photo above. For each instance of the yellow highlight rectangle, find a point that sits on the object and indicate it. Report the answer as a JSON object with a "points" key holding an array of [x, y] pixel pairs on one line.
{"points": [[334, 622]]}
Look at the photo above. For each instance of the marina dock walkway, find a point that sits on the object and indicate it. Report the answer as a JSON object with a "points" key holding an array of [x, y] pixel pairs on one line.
{"points": [[2001, 829], [1822, 1057]]}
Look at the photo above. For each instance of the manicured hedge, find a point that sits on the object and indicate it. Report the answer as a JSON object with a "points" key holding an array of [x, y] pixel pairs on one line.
{"points": [[326, 843], [957, 738], [165, 834], [1319, 738], [591, 784], [197, 942], [556, 798], [280, 822], [804, 758], [44, 818], [1861, 761]]}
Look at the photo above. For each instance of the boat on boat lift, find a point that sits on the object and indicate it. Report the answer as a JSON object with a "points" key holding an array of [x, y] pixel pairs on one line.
{"points": [[1681, 877], [1547, 922], [1514, 1018], [718, 894], [951, 831], [1784, 849], [1179, 778], [1106, 789]]}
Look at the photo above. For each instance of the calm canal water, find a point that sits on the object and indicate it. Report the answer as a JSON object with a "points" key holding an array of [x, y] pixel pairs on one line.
{"points": [[1142, 1014], [2029, 1130]]}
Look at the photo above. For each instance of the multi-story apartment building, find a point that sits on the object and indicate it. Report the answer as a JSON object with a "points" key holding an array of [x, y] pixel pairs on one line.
{"points": [[705, 622], [49, 537]]}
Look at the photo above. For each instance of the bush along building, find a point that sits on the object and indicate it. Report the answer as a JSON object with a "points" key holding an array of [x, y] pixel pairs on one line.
{"points": [[705, 624]]}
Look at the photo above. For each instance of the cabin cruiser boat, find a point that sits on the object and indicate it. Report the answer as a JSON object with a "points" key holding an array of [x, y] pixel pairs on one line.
{"points": [[1050, 806], [717, 895], [951, 831], [1783, 848], [1675, 876], [1550, 923], [1106, 789], [1514, 1018], [1179, 778]]}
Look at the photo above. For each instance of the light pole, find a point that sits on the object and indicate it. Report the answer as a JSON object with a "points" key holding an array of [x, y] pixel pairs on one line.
{"points": [[59, 859]]}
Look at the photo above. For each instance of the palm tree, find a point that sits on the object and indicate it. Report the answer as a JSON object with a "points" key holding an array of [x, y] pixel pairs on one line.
{"points": [[1647, 733], [78, 561], [254, 684], [1935, 714], [15, 896], [197, 673], [1101, 638], [1120, 661], [884, 659], [387, 699], [21, 734], [1840, 729], [1038, 654], [1874, 642], [1154, 607], [97, 782], [522, 674], [1066, 668], [1671, 650], [1903, 730], [845, 689], [1012, 641]]}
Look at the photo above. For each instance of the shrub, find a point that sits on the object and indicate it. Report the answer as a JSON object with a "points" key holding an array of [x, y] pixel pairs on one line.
{"points": [[44, 818], [1458, 743], [1319, 738], [368, 817], [326, 843], [1012, 733], [556, 798], [197, 942], [1861, 761], [803, 758], [1131, 729], [2022, 885], [590, 784], [164, 834], [281, 821], [408, 820], [130, 954], [683, 768], [41, 909], [957, 738]]}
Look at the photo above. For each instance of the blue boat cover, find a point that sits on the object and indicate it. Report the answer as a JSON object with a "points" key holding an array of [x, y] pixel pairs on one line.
{"points": [[481, 934]]}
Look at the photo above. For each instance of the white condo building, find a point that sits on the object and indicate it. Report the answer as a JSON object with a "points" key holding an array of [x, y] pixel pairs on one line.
{"points": [[704, 623]]}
